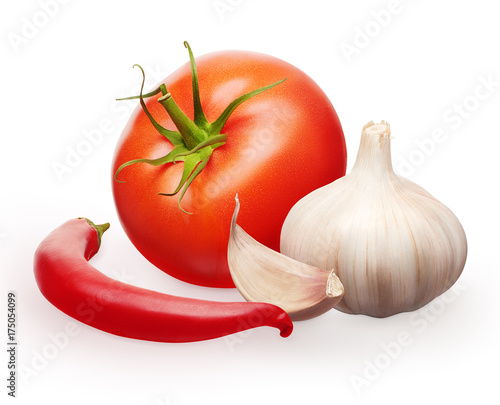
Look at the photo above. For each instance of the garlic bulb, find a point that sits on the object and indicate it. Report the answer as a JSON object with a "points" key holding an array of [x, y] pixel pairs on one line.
{"points": [[263, 275], [394, 246]]}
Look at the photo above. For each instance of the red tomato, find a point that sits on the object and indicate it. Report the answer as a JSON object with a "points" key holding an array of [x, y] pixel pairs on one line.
{"points": [[282, 144]]}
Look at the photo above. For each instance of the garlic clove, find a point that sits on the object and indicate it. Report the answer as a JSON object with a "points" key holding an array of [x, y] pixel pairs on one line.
{"points": [[394, 246], [264, 275]]}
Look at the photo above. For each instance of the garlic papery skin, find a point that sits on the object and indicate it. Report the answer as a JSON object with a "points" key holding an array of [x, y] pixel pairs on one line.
{"points": [[394, 246], [263, 275]]}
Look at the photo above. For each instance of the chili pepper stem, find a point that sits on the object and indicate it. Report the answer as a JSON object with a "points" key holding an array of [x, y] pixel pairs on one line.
{"points": [[100, 229]]}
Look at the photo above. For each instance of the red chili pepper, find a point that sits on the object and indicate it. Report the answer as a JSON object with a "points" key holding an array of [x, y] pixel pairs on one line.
{"points": [[70, 283]]}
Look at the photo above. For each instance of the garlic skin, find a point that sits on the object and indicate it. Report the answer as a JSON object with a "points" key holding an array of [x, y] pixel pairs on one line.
{"points": [[394, 247], [263, 275]]}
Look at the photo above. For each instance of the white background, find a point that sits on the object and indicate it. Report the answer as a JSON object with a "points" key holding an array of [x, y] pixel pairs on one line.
{"points": [[418, 65]]}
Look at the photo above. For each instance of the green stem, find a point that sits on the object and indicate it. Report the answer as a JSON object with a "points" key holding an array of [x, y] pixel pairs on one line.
{"points": [[100, 229], [189, 131], [195, 140]]}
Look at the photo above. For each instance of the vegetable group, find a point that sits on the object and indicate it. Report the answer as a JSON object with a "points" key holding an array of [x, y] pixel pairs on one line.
{"points": [[368, 243], [70, 283], [394, 246], [274, 148]]}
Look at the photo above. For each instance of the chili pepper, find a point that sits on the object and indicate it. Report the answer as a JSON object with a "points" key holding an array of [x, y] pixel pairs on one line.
{"points": [[74, 286]]}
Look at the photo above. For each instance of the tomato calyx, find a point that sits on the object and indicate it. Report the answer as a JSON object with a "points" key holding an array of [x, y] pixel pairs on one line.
{"points": [[195, 140]]}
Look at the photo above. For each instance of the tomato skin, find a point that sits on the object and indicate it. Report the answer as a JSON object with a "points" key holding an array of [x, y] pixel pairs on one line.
{"points": [[282, 144]]}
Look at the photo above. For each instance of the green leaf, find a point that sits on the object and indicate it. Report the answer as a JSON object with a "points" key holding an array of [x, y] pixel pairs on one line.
{"points": [[150, 94], [214, 140], [219, 123], [173, 156], [173, 136], [199, 116], [193, 165]]}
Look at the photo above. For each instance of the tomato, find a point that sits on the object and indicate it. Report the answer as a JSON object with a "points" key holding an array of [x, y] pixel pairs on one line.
{"points": [[281, 144]]}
